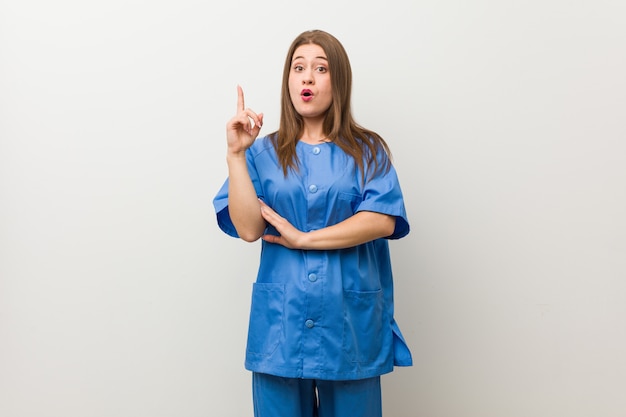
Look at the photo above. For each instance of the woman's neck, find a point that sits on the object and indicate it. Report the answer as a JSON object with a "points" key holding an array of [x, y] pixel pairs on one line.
{"points": [[313, 134]]}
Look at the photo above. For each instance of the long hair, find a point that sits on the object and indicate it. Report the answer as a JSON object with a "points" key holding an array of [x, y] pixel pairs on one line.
{"points": [[339, 126]]}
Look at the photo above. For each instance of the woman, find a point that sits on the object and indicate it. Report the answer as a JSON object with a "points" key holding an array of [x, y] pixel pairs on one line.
{"points": [[324, 197]]}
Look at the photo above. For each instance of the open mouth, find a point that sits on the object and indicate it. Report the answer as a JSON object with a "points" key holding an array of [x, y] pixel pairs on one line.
{"points": [[306, 94]]}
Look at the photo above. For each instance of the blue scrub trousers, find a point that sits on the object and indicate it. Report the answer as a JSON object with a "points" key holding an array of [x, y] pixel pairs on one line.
{"points": [[275, 396]]}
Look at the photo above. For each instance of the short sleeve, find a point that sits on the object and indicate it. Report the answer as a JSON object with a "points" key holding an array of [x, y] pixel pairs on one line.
{"points": [[220, 202], [382, 194]]}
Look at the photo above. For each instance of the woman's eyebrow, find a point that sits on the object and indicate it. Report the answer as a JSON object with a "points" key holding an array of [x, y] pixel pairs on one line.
{"points": [[301, 57]]}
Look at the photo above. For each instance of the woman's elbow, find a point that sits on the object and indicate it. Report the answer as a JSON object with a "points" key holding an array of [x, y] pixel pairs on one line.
{"points": [[250, 234]]}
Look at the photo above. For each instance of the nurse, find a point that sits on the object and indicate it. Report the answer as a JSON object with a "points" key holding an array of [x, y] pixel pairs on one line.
{"points": [[322, 194]]}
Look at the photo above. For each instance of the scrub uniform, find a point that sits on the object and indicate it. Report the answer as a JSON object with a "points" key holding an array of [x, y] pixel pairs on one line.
{"points": [[322, 314]]}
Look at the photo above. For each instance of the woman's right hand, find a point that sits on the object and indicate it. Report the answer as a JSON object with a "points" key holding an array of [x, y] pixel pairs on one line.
{"points": [[242, 130]]}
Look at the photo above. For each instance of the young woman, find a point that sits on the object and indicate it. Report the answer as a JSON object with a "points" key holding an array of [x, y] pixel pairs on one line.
{"points": [[324, 197]]}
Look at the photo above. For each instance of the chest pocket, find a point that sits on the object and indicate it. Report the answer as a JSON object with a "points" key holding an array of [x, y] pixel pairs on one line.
{"points": [[344, 206]]}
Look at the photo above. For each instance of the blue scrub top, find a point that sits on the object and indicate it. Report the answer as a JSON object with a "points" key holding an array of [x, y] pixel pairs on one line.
{"points": [[322, 314]]}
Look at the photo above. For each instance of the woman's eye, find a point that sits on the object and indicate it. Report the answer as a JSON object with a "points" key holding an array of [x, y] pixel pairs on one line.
{"points": [[298, 68], [321, 69]]}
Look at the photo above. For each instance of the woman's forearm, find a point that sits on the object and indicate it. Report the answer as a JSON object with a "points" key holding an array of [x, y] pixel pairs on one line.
{"points": [[363, 227]]}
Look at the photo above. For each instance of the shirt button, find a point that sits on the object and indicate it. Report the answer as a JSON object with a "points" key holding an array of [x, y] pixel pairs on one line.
{"points": [[312, 277], [316, 150], [309, 323], [313, 188]]}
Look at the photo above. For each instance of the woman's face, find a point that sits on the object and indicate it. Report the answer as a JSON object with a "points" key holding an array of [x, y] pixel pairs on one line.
{"points": [[309, 81]]}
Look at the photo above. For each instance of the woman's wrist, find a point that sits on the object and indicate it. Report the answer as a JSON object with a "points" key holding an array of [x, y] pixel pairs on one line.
{"points": [[235, 156]]}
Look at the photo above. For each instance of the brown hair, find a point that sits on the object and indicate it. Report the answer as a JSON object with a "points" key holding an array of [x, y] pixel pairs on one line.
{"points": [[339, 125]]}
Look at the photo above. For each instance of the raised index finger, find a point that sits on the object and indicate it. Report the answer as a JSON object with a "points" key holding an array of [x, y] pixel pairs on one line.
{"points": [[240, 103]]}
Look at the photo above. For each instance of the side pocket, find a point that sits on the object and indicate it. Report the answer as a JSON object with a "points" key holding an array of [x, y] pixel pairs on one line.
{"points": [[265, 329], [365, 331]]}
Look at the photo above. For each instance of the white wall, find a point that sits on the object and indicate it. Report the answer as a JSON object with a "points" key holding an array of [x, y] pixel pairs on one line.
{"points": [[119, 296]]}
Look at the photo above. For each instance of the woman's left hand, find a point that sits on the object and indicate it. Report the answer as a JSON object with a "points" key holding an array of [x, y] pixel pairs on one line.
{"points": [[290, 237]]}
